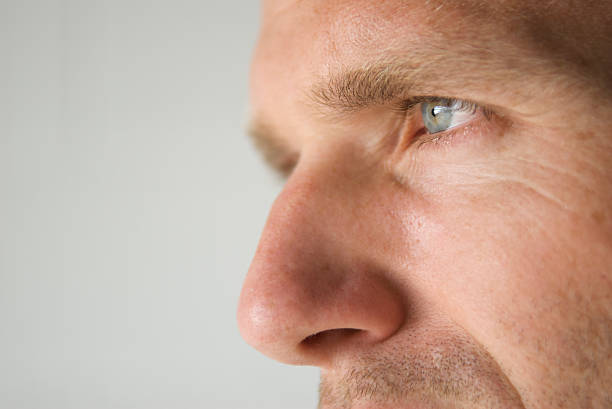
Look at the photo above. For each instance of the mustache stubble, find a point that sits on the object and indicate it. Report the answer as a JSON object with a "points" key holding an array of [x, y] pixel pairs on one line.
{"points": [[426, 365]]}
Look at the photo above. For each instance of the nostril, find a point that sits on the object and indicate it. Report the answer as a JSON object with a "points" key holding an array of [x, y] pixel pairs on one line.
{"points": [[325, 339]]}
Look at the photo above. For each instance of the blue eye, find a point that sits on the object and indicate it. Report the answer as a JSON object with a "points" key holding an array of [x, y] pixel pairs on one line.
{"points": [[442, 114]]}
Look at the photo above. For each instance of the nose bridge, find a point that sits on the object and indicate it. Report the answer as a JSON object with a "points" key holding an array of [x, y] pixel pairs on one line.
{"points": [[310, 275]]}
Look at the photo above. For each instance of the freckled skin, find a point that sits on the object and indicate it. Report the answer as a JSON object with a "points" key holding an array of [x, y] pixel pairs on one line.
{"points": [[476, 270]]}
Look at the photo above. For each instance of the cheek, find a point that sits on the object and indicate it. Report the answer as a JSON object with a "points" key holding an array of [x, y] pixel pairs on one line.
{"points": [[510, 265], [498, 260]]}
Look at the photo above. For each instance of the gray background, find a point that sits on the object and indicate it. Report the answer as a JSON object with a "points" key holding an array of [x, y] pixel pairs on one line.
{"points": [[130, 206]]}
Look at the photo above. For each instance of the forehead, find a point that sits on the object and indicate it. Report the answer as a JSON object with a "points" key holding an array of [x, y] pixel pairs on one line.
{"points": [[314, 34], [366, 21]]}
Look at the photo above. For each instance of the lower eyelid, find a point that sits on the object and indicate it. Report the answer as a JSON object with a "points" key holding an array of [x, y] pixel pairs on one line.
{"points": [[437, 138], [417, 151]]}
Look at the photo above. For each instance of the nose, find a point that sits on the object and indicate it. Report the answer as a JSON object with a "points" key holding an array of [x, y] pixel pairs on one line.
{"points": [[313, 291]]}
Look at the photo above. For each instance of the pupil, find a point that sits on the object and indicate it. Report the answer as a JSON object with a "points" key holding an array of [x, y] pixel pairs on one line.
{"points": [[437, 110]]}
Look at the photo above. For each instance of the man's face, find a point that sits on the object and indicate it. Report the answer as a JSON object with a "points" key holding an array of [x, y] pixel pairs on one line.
{"points": [[444, 237]]}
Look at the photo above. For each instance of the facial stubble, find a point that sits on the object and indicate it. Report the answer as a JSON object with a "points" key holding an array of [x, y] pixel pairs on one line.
{"points": [[434, 366]]}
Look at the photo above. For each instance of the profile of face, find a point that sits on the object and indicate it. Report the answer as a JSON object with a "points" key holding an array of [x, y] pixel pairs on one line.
{"points": [[444, 236]]}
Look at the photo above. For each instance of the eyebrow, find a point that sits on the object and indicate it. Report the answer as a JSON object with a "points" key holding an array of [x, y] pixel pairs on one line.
{"points": [[270, 145], [353, 89]]}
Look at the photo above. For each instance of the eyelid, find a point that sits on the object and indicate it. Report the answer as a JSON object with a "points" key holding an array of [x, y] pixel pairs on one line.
{"points": [[410, 103]]}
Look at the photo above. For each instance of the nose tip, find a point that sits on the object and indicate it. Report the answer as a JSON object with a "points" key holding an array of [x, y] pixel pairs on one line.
{"points": [[270, 327], [303, 318]]}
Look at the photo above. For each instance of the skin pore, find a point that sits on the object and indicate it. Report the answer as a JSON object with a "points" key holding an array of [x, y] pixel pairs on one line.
{"points": [[461, 269]]}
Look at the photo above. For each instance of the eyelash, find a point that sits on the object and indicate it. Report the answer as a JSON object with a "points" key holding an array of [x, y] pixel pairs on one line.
{"points": [[420, 137]]}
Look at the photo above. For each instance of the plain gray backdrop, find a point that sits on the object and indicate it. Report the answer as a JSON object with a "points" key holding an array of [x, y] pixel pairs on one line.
{"points": [[130, 205]]}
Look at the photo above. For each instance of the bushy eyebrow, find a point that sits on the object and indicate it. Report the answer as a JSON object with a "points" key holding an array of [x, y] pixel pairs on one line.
{"points": [[353, 89]]}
